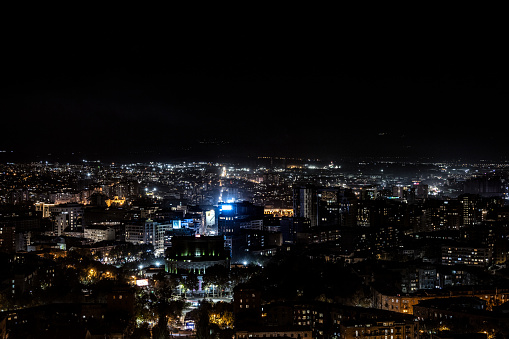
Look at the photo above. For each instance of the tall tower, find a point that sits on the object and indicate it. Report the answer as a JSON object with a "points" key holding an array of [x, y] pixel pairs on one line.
{"points": [[304, 203]]}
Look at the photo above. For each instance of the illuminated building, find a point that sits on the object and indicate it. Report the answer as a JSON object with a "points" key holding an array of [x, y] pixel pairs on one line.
{"points": [[470, 211], [202, 219], [232, 214], [278, 212], [116, 201], [458, 311], [408, 329], [66, 217], [465, 255], [148, 232], [195, 254], [247, 300], [7, 238], [43, 208], [304, 204], [404, 303], [233, 218], [274, 332], [323, 206], [99, 233], [261, 242], [247, 307]]}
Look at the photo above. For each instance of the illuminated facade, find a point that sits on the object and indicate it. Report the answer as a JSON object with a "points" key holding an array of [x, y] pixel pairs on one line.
{"points": [[304, 204], [66, 217], [232, 215], [148, 232], [405, 303], [466, 255], [195, 254], [99, 233], [380, 329], [323, 206], [278, 212], [116, 201], [43, 208], [274, 333]]}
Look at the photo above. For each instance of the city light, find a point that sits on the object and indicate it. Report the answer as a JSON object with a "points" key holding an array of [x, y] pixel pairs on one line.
{"points": [[329, 177], [142, 282], [344, 218], [226, 207]]}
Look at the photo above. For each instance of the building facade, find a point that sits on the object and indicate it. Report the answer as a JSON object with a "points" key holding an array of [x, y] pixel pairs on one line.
{"points": [[148, 232], [99, 233]]}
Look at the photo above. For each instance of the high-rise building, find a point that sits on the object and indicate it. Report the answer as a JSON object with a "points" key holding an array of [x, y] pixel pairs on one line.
{"points": [[233, 218], [305, 203], [148, 232], [7, 238], [470, 211], [324, 206], [66, 217]]}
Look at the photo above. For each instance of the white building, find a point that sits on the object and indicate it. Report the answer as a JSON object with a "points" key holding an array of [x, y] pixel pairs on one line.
{"points": [[148, 232], [99, 233]]}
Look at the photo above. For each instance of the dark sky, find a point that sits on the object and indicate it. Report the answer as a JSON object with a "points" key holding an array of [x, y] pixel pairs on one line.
{"points": [[300, 89]]}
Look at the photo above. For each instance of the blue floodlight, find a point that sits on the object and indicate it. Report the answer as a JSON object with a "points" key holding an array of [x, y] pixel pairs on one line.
{"points": [[226, 207]]}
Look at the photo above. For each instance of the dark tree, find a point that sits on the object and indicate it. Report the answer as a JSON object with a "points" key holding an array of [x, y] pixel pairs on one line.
{"points": [[141, 332]]}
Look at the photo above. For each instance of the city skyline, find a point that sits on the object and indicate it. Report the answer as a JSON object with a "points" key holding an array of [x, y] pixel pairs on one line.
{"points": [[306, 177], [125, 92]]}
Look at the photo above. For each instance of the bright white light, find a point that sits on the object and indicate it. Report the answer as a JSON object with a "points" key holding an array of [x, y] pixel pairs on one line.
{"points": [[226, 207], [158, 264], [142, 282], [140, 267], [245, 263]]}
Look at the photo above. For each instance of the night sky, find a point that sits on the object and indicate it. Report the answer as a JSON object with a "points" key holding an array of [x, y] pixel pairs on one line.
{"points": [[171, 90]]}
